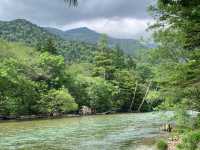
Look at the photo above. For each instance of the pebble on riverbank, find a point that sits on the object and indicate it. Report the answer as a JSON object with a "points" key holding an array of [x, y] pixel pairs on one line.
{"points": [[173, 142]]}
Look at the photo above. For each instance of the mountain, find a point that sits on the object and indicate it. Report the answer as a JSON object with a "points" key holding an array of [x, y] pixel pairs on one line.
{"points": [[31, 35], [21, 30], [87, 35]]}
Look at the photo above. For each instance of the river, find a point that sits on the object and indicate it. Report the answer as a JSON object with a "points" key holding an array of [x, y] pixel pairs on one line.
{"points": [[103, 132]]}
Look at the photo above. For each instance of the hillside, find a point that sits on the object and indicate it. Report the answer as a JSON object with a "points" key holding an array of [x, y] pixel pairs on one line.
{"points": [[87, 35], [21, 30]]}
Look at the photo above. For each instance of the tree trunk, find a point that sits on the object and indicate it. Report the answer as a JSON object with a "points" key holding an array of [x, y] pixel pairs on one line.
{"points": [[147, 91], [132, 102]]}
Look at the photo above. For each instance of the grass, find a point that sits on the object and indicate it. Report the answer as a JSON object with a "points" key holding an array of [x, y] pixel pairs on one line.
{"points": [[161, 145]]}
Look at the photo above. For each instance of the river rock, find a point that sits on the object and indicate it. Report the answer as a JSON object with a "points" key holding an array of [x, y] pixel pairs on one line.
{"points": [[85, 111]]}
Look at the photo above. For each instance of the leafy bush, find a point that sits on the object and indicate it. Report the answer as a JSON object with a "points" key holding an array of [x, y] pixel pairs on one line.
{"points": [[161, 145], [58, 101], [197, 122], [190, 141]]}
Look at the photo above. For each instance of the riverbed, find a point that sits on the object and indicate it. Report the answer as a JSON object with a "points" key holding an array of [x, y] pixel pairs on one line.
{"points": [[104, 132]]}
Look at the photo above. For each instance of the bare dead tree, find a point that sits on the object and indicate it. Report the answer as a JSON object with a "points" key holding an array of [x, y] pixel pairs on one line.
{"points": [[144, 98], [132, 102]]}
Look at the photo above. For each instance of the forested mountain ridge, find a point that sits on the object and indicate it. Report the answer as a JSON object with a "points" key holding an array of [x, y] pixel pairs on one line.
{"points": [[87, 35], [21, 30]]}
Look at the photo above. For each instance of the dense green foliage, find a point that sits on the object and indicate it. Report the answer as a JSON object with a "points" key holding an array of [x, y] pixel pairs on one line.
{"points": [[30, 82], [21, 30], [175, 63], [190, 141], [173, 67], [50, 81], [57, 101]]}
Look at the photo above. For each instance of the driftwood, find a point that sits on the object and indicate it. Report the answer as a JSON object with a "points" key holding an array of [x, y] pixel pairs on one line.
{"points": [[167, 127], [106, 113]]}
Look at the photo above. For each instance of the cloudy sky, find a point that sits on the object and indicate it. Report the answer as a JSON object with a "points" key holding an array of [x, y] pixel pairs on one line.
{"points": [[117, 18]]}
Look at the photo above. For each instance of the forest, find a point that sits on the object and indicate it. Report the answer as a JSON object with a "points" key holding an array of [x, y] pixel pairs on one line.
{"points": [[43, 74], [44, 79]]}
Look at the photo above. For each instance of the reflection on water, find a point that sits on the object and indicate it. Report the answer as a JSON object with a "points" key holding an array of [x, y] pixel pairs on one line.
{"points": [[111, 132]]}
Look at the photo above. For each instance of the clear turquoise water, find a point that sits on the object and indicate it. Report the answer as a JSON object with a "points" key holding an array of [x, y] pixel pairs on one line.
{"points": [[111, 132]]}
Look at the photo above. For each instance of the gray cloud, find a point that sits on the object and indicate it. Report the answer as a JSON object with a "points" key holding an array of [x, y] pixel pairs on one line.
{"points": [[56, 13]]}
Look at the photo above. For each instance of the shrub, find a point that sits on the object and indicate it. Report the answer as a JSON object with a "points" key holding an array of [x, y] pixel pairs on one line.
{"points": [[190, 141], [197, 122], [58, 101], [161, 145]]}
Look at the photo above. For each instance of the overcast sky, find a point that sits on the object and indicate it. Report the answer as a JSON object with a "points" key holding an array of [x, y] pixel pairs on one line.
{"points": [[117, 18]]}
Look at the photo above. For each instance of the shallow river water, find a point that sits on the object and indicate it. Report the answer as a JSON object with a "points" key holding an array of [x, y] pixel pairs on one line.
{"points": [[109, 132]]}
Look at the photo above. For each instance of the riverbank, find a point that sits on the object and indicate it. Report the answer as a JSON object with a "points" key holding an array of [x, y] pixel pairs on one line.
{"points": [[173, 142], [35, 117], [43, 117]]}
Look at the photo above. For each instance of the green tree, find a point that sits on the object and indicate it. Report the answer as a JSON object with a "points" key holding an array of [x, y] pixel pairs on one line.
{"points": [[50, 46], [101, 93], [78, 85], [57, 102], [16, 90], [174, 66], [127, 94], [103, 43], [52, 69], [104, 65], [183, 16]]}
